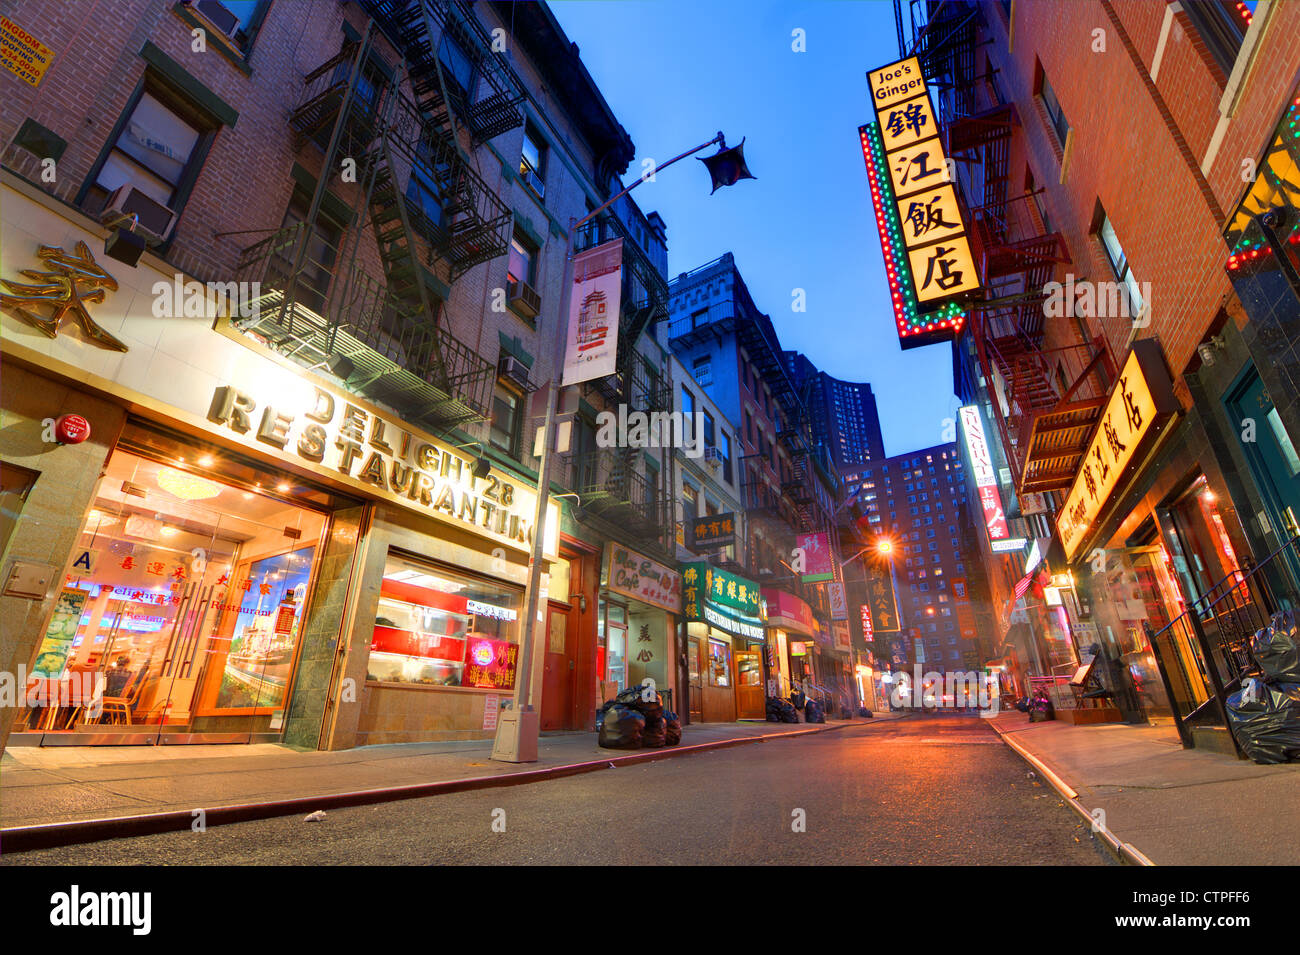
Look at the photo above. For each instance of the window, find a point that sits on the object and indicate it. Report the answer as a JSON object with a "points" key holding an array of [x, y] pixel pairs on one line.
{"points": [[237, 19], [1047, 96], [504, 433], [522, 265], [703, 370], [1222, 26], [688, 411], [532, 162], [435, 627], [709, 438], [726, 457], [1105, 233], [157, 151], [311, 285], [699, 317], [457, 66], [690, 501], [424, 199]]}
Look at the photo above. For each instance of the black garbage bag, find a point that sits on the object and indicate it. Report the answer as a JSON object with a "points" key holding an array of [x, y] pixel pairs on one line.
{"points": [[813, 712], [656, 737], [621, 728], [781, 711], [864, 713], [672, 729], [1276, 648], [1266, 720]]}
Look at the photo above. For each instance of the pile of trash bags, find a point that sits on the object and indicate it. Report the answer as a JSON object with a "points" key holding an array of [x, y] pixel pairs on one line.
{"points": [[636, 718], [781, 711], [814, 711], [1264, 715]]}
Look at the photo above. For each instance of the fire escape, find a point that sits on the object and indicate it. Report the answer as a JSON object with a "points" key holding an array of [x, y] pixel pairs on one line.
{"points": [[431, 216], [616, 484], [1048, 395]]}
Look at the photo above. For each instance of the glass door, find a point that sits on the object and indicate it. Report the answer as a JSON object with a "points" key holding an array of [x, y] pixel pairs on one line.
{"points": [[181, 611]]}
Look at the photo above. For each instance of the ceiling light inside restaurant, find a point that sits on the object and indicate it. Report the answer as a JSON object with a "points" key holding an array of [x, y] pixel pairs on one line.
{"points": [[188, 487]]}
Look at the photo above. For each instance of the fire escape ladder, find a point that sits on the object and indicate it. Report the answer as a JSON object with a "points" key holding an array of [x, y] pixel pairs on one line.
{"points": [[396, 240], [437, 37]]}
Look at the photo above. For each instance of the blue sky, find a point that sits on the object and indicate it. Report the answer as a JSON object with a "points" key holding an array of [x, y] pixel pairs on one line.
{"points": [[675, 73]]}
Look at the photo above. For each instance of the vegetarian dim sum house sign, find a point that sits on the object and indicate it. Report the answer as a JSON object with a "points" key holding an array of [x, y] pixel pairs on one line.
{"points": [[928, 258]]}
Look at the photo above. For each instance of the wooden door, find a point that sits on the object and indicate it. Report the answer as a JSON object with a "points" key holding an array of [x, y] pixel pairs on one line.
{"points": [[695, 693], [558, 671], [751, 697]]}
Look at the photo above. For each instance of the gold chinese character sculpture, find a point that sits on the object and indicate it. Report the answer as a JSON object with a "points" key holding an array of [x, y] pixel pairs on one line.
{"points": [[58, 290]]}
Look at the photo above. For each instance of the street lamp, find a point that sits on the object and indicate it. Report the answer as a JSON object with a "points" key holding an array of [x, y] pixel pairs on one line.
{"points": [[518, 727]]}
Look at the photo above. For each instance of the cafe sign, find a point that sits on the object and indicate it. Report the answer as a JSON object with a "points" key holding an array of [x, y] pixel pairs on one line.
{"points": [[1138, 412], [722, 600], [344, 439], [634, 575]]}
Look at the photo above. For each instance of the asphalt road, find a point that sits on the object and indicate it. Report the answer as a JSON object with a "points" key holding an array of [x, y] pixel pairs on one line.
{"points": [[937, 790]]}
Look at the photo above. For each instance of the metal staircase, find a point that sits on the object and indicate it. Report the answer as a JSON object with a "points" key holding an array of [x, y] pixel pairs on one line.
{"points": [[446, 72]]}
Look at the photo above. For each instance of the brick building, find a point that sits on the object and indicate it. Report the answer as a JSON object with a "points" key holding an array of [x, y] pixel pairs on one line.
{"points": [[1106, 155], [304, 513]]}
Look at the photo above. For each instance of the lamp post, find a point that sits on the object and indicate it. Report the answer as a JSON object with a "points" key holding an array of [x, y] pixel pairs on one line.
{"points": [[518, 727]]}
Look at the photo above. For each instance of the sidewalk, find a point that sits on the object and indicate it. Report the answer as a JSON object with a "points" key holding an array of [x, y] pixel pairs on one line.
{"points": [[67, 786], [1177, 806]]}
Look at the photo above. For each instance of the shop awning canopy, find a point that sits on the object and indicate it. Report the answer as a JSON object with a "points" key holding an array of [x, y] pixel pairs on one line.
{"points": [[789, 612]]}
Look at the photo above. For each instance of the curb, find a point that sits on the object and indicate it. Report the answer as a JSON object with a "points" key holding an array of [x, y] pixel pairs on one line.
{"points": [[1124, 852], [54, 834]]}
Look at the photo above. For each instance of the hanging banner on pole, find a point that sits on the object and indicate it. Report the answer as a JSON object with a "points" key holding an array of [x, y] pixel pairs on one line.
{"points": [[591, 348]]}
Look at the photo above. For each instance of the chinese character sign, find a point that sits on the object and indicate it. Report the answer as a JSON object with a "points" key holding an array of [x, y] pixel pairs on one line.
{"points": [[918, 213], [1139, 409], [816, 551], [981, 463]]}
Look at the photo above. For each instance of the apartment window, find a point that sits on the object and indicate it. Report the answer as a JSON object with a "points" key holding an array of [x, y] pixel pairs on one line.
{"points": [[709, 438], [703, 370], [522, 265], [726, 457], [1222, 27], [532, 162], [1105, 232], [158, 150], [1047, 96], [504, 433], [699, 317], [424, 200], [457, 65], [690, 501], [688, 404], [237, 19], [311, 284]]}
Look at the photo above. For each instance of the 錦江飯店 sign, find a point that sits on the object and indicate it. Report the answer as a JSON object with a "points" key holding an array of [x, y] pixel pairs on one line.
{"points": [[1139, 410]]}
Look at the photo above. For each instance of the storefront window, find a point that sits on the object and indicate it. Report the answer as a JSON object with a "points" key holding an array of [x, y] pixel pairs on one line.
{"points": [[616, 645], [184, 603], [719, 664], [435, 627]]}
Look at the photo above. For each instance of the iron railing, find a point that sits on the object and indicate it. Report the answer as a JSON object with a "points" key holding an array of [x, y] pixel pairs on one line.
{"points": [[394, 354], [1217, 628]]}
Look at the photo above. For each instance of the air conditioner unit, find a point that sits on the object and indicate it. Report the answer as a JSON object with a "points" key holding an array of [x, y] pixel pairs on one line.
{"points": [[713, 458], [524, 299], [219, 16], [154, 220], [514, 371]]}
